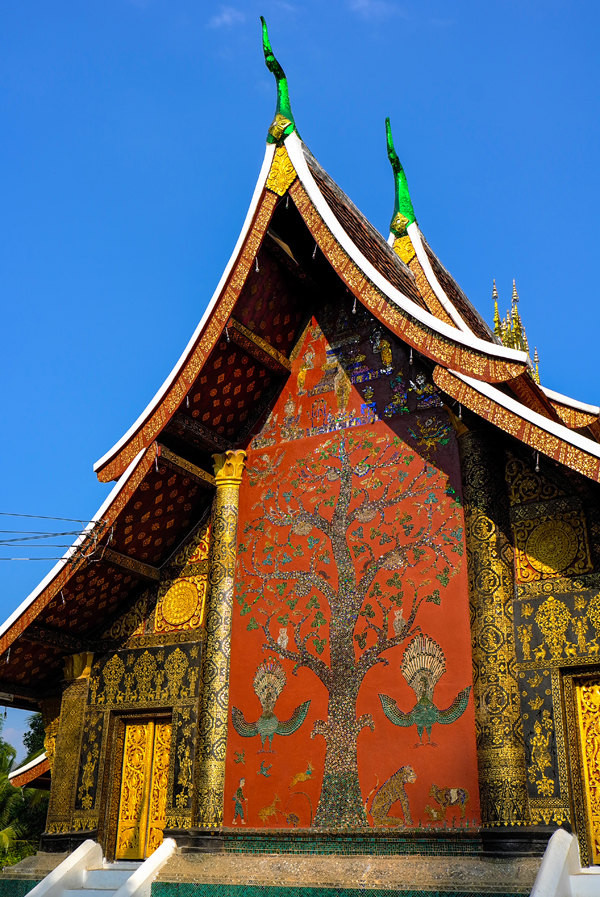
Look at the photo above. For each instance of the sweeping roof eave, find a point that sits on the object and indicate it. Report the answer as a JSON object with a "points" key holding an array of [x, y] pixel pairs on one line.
{"points": [[568, 402], [438, 340], [161, 392], [57, 576], [38, 768], [555, 440]]}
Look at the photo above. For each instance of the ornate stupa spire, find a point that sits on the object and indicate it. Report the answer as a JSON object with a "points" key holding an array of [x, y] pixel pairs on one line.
{"points": [[283, 123], [536, 365], [515, 295], [497, 322], [510, 330], [404, 214]]}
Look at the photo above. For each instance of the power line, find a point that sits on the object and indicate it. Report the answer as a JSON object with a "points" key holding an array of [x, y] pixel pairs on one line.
{"points": [[34, 559], [24, 537], [43, 517]]}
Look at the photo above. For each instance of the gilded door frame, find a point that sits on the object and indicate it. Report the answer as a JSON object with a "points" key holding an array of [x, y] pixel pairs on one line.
{"points": [[570, 680], [111, 783]]}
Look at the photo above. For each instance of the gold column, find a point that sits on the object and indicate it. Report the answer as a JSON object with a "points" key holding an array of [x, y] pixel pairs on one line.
{"points": [[500, 748], [214, 706], [66, 760]]}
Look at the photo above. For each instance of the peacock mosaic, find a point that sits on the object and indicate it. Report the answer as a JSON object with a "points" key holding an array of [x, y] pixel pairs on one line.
{"points": [[350, 682]]}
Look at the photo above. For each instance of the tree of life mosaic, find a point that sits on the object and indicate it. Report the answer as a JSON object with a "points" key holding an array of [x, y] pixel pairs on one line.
{"points": [[348, 546]]}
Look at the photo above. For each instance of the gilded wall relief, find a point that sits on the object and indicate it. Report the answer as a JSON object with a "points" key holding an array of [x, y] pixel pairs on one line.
{"points": [[181, 600], [551, 546], [556, 618], [558, 628], [89, 765], [582, 712], [146, 677]]}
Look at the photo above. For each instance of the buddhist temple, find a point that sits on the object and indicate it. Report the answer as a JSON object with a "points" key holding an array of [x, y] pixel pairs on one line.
{"points": [[344, 595]]}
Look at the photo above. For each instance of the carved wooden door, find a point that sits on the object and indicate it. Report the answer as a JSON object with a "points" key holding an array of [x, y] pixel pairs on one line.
{"points": [[143, 797], [588, 713]]}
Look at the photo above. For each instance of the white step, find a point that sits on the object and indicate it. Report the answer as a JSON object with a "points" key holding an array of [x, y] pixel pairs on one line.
{"points": [[585, 883], [89, 892], [107, 879]]}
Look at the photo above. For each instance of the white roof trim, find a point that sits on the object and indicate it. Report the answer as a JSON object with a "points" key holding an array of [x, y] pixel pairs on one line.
{"points": [[415, 238], [119, 485], [27, 767], [264, 171], [570, 403], [559, 430], [296, 154]]}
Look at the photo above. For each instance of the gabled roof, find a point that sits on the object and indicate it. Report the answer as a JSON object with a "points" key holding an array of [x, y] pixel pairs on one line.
{"points": [[302, 239], [360, 256]]}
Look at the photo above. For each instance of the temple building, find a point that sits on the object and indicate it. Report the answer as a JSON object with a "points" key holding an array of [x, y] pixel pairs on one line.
{"points": [[344, 596]]}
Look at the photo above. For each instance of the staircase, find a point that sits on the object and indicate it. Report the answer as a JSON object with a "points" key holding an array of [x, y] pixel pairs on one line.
{"points": [[561, 874], [104, 882], [84, 873]]}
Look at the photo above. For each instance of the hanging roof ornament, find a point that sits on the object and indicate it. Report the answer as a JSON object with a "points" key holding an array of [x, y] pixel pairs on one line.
{"points": [[283, 123], [404, 213]]}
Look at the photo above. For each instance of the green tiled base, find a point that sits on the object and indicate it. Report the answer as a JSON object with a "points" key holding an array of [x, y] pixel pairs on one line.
{"points": [[16, 887], [356, 843], [189, 889]]}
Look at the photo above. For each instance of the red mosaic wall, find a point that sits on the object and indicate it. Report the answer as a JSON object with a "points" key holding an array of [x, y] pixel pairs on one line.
{"points": [[350, 687]]}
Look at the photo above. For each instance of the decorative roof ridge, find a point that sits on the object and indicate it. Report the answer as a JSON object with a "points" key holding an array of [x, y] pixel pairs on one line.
{"points": [[404, 213], [407, 240], [299, 155], [314, 163], [283, 123], [434, 282], [553, 427], [568, 402]]}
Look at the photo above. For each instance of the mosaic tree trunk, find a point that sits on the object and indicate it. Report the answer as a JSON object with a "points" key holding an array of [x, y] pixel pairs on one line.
{"points": [[351, 541]]}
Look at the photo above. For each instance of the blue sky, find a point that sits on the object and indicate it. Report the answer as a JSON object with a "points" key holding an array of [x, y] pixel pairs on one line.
{"points": [[133, 135]]}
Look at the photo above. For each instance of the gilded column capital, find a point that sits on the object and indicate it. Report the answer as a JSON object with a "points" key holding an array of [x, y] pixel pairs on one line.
{"points": [[229, 467]]}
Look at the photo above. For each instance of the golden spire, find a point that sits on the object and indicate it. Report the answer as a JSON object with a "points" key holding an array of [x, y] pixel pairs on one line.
{"points": [[497, 324], [510, 330], [536, 362], [515, 295]]}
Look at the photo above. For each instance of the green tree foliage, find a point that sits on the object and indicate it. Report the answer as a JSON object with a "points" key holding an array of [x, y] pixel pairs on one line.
{"points": [[33, 739], [22, 810]]}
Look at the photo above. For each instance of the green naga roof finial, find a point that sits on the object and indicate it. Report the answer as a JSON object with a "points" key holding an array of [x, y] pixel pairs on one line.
{"points": [[283, 123], [404, 214]]}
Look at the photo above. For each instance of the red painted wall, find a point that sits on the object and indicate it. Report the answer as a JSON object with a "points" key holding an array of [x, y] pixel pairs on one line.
{"points": [[351, 584]]}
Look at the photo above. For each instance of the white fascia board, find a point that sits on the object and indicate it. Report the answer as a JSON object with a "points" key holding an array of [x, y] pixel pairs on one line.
{"points": [[559, 430], [415, 238], [294, 148], [35, 762], [119, 485], [570, 403], [152, 405]]}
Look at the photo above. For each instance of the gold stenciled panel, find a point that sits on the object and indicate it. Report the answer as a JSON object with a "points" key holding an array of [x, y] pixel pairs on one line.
{"points": [[143, 797], [181, 601], [547, 547], [588, 717]]}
